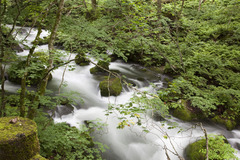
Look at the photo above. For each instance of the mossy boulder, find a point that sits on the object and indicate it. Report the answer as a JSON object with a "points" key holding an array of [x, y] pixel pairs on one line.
{"points": [[112, 87], [193, 150], [41, 57], [81, 60], [36, 72], [183, 112], [229, 124], [38, 157], [43, 41], [98, 70], [18, 138], [218, 148]]}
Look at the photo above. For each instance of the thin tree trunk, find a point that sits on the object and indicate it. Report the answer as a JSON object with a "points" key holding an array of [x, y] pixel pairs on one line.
{"points": [[2, 66], [43, 85], [85, 4], [24, 78], [51, 47], [206, 137], [177, 33], [159, 8], [94, 4], [200, 3]]}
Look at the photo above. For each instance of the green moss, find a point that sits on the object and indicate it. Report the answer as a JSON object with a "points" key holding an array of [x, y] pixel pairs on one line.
{"points": [[229, 124], [81, 60], [41, 56], [35, 72], [38, 157], [218, 148], [193, 150], [97, 70], [18, 141], [43, 41], [183, 112], [114, 86]]}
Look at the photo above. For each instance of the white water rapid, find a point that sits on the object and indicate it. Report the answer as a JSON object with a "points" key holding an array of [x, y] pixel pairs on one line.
{"points": [[130, 143]]}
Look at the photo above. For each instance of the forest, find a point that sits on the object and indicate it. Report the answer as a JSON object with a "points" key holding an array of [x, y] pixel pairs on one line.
{"points": [[190, 47]]}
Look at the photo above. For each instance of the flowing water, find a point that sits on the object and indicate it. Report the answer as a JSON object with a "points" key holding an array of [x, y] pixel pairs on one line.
{"points": [[130, 143]]}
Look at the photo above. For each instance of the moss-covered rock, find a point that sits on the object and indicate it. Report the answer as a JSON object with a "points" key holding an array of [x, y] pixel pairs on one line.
{"points": [[35, 72], [41, 57], [113, 87], [193, 150], [218, 148], [183, 112], [43, 41], [98, 70], [18, 140], [81, 60], [38, 157], [229, 124]]}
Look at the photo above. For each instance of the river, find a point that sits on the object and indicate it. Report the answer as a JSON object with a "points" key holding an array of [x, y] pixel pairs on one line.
{"points": [[130, 143]]}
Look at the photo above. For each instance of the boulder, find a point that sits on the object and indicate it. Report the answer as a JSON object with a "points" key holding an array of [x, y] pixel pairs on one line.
{"points": [[43, 41], [112, 87], [98, 70], [81, 60], [183, 112], [218, 146], [18, 139], [38, 157], [229, 124], [193, 150], [35, 73]]}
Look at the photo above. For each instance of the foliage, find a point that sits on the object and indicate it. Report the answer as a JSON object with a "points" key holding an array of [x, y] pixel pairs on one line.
{"points": [[35, 72], [218, 148], [60, 141], [133, 112]]}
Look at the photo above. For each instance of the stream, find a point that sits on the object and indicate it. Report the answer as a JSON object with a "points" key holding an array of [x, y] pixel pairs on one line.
{"points": [[130, 143]]}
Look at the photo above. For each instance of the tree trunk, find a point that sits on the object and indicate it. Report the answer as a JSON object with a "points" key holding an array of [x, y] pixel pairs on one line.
{"points": [[200, 3], [43, 85], [24, 78], [2, 66], [51, 47], [177, 32], [94, 4], [85, 4], [159, 8]]}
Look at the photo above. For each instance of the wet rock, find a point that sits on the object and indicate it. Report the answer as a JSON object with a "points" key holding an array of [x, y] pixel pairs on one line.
{"points": [[35, 74], [112, 87], [238, 146], [157, 116], [183, 112], [81, 60], [64, 110], [98, 70], [217, 146], [229, 124]]}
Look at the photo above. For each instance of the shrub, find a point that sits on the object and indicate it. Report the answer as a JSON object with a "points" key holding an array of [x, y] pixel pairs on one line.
{"points": [[62, 142]]}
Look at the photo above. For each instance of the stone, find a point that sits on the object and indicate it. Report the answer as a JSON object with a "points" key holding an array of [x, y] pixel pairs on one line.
{"points": [[18, 141], [98, 70], [81, 60], [229, 124], [218, 146], [35, 74], [183, 112], [112, 87]]}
